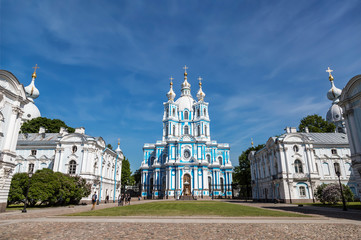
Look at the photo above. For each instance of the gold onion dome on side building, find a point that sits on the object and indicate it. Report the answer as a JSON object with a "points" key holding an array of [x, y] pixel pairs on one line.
{"points": [[171, 94], [200, 94], [334, 93]]}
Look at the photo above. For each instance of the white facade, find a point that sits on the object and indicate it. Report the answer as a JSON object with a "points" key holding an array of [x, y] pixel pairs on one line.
{"points": [[74, 154], [290, 167], [351, 104], [12, 101], [186, 162]]}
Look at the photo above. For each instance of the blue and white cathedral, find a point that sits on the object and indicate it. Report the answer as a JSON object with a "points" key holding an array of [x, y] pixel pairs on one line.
{"points": [[186, 162]]}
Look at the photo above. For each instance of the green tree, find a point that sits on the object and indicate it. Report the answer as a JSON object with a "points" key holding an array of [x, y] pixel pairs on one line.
{"points": [[242, 173], [51, 125], [43, 186], [48, 187], [316, 123], [110, 146], [19, 184], [137, 176], [126, 173]]}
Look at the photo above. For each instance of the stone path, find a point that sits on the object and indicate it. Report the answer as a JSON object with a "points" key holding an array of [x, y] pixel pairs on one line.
{"points": [[47, 224]]}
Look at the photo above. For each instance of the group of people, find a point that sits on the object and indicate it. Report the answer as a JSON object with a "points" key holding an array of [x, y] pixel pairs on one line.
{"points": [[124, 199]]}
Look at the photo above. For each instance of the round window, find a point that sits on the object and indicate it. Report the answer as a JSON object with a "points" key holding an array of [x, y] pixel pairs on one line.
{"points": [[187, 154]]}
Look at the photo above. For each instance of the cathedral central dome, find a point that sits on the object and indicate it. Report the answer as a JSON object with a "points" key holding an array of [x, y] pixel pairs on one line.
{"points": [[185, 102]]}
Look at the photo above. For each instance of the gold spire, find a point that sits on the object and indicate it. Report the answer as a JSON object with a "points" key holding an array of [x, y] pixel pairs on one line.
{"points": [[34, 73], [252, 142], [171, 80], [118, 141], [185, 71], [330, 77]]}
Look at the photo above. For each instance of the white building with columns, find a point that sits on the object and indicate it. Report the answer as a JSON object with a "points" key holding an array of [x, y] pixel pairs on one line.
{"points": [[290, 167], [12, 102], [75, 154], [350, 101], [186, 162]]}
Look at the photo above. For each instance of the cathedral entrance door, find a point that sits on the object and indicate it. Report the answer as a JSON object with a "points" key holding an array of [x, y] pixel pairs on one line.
{"points": [[187, 185]]}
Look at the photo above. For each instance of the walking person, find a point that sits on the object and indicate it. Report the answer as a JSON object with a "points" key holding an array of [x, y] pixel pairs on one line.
{"points": [[119, 199], [94, 200], [129, 197], [122, 199]]}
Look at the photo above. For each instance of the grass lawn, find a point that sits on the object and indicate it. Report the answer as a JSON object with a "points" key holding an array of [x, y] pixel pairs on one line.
{"points": [[350, 205], [189, 208]]}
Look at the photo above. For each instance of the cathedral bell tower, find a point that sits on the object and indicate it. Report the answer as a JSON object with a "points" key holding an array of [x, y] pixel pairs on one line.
{"points": [[170, 114]]}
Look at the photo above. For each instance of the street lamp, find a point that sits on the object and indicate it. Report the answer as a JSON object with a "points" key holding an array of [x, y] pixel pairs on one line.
{"points": [[30, 174], [343, 198]]}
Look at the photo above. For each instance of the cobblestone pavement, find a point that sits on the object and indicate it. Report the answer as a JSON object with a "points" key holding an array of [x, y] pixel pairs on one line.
{"points": [[47, 224]]}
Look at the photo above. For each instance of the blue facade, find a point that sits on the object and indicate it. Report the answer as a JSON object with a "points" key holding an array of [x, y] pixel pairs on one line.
{"points": [[186, 162]]}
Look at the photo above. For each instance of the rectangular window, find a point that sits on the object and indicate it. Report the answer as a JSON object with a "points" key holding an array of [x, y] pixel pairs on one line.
{"points": [[333, 151]]}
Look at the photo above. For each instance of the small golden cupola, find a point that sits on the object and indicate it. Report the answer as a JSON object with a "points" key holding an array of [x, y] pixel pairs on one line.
{"points": [[30, 90], [171, 94], [334, 93], [200, 94]]}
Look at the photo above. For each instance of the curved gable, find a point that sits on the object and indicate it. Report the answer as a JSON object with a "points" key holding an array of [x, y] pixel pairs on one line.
{"points": [[9, 82]]}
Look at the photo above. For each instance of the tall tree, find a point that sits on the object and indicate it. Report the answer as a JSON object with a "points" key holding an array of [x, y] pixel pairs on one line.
{"points": [[51, 125], [126, 173], [137, 176], [316, 123], [242, 173]]}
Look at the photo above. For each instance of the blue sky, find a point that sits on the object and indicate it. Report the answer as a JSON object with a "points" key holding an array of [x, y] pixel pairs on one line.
{"points": [[105, 65]]}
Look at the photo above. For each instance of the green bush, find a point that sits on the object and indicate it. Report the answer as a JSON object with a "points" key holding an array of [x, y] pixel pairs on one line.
{"points": [[48, 188], [330, 193]]}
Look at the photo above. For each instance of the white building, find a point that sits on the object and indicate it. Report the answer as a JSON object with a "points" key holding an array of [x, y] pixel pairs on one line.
{"points": [[290, 167], [351, 104], [186, 162], [75, 154], [12, 101]]}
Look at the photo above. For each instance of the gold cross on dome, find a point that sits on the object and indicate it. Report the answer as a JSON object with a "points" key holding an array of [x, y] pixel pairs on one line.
{"points": [[118, 141], [171, 78], [185, 68], [329, 71], [36, 67]]}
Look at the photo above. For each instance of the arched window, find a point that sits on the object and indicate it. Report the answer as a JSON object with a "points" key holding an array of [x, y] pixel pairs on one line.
{"points": [[173, 130], [325, 168], [337, 168], [186, 129], [295, 148], [220, 160], [186, 117], [205, 112], [208, 158], [199, 130], [298, 166], [210, 184], [166, 129], [198, 112], [72, 167], [167, 112], [173, 112], [152, 160], [302, 190], [74, 149], [31, 168], [206, 130]]}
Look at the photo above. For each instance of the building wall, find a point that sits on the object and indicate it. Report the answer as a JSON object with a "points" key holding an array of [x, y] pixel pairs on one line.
{"points": [[74, 154], [12, 101], [351, 104], [276, 174]]}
